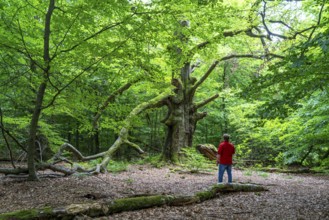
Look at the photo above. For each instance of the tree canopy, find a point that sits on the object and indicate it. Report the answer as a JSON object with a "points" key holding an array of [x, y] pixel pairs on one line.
{"points": [[160, 76]]}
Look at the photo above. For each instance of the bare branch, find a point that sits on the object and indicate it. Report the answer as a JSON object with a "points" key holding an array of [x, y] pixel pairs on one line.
{"points": [[5, 138], [98, 33], [86, 69], [65, 35], [43, 166], [313, 30], [213, 66], [261, 57], [12, 137], [55, 168], [76, 152], [15, 171], [73, 80], [27, 53], [270, 33], [224, 34], [135, 146]]}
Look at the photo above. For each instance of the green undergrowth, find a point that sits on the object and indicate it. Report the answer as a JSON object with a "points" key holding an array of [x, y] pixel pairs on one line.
{"points": [[195, 162], [114, 166], [154, 160], [190, 160], [117, 166]]}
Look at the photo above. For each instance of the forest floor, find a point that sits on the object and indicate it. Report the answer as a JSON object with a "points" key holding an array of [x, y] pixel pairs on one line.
{"points": [[290, 196]]}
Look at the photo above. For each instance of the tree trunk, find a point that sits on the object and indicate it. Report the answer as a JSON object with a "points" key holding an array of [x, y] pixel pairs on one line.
{"points": [[225, 85], [177, 123], [96, 209], [31, 150], [96, 141], [182, 116]]}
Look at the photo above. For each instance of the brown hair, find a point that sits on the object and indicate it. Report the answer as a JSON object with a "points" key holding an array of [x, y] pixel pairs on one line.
{"points": [[226, 137]]}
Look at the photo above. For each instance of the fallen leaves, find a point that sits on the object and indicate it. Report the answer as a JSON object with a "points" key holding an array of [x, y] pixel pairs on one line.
{"points": [[290, 196]]}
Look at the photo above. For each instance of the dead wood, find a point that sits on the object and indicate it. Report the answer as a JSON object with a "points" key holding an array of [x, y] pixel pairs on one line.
{"points": [[106, 155], [293, 170], [94, 209], [208, 150]]}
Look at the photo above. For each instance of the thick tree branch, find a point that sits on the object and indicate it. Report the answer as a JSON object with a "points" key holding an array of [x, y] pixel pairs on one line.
{"points": [[76, 153], [205, 76], [15, 171], [205, 102], [135, 146], [42, 166], [261, 57], [200, 115], [123, 136], [111, 98], [219, 36], [213, 66]]}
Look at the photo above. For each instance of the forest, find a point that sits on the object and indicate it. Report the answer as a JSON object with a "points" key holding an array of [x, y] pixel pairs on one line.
{"points": [[88, 88]]}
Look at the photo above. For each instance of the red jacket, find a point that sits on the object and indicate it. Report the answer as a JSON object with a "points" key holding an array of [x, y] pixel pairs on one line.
{"points": [[225, 151]]}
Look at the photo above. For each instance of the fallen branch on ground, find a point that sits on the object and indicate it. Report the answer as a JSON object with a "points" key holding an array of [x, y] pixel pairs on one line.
{"points": [[109, 207]]}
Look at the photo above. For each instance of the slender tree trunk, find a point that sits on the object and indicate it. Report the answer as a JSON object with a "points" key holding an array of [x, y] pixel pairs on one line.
{"points": [[31, 151], [77, 136], [96, 141], [225, 85], [40, 96], [306, 155]]}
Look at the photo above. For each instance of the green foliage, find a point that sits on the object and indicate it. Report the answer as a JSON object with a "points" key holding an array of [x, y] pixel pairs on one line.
{"points": [[194, 161], [117, 166], [248, 172], [263, 174], [276, 110], [154, 160], [87, 164]]}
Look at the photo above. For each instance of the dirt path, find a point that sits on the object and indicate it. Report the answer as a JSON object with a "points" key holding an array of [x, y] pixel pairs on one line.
{"points": [[289, 196]]}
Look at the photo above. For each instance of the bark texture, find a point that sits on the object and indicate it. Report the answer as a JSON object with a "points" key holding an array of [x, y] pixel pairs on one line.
{"points": [[207, 150], [96, 209]]}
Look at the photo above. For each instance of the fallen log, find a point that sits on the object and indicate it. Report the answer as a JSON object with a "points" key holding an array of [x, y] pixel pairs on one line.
{"points": [[105, 208], [301, 170]]}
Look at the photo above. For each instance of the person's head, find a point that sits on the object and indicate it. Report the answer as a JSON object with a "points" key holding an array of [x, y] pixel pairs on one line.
{"points": [[226, 137]]}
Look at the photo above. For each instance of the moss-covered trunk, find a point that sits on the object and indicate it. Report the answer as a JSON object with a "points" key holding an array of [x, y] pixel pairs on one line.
{"points": [[183, 115], [95, 209], [178, 122]]}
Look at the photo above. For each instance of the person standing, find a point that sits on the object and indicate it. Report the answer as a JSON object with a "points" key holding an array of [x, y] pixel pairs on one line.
{"points": [[224, 158]]}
